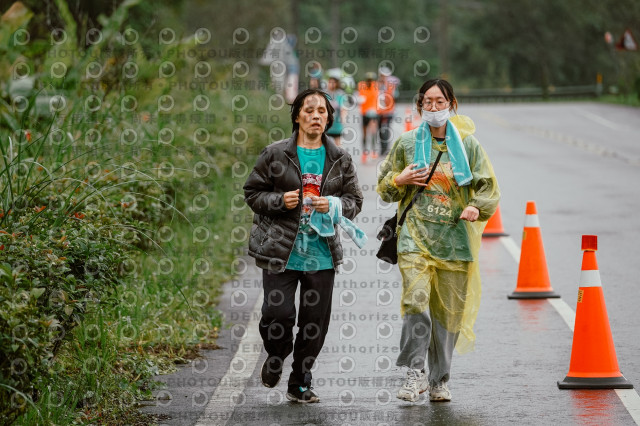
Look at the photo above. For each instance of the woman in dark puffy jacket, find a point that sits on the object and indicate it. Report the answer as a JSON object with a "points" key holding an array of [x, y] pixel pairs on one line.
{"points": [[292, 180]]}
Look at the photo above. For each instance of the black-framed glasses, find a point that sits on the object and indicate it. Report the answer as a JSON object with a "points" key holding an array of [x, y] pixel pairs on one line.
{"points": [[428, 104]]}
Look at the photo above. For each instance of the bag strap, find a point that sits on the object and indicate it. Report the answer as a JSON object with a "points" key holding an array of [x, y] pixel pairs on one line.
{"points": [[422, 188]]}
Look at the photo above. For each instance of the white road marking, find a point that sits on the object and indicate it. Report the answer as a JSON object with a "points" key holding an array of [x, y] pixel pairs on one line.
{"points": [[591, 147], [631, 401], [600, 120], [565, 311], [511, 247], [629, 397], [230, 391]]}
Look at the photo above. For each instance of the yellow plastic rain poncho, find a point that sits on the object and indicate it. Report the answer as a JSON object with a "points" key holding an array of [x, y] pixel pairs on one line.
{"points": [[433, 244]]}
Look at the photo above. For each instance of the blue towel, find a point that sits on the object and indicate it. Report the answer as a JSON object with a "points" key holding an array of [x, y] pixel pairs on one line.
{"points": [[457, 154], [323, 223]]}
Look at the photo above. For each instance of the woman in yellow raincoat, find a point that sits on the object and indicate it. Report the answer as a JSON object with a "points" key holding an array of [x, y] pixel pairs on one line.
{"points": [[439, 241]]}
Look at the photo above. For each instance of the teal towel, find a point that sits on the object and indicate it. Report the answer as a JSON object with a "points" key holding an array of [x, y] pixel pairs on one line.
{"points": [[457, 154], [323, 223]]}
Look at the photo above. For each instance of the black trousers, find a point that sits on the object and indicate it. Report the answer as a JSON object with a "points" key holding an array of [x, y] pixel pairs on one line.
{"points": [[384, 129], [279, 317]]}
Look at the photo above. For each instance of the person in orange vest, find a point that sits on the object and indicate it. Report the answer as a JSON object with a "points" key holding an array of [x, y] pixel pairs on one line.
{"points": [[368, 98], [387, 93]]}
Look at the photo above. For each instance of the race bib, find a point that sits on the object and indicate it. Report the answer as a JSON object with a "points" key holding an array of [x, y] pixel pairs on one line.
{"points": [[435, 204], [437, 208]]}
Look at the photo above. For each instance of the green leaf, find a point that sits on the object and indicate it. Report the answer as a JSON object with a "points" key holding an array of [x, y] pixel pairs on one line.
{"points": [[5, 272], [37, 292]]}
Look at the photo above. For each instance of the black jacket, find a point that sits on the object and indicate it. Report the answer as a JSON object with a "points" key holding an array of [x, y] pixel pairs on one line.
{"points": [[277, 171]]}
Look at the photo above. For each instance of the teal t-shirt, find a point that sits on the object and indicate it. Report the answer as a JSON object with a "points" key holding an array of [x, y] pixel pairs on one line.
{"points": [[310, 251]]}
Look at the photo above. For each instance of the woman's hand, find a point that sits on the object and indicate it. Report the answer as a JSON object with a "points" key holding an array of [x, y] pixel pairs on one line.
{"points": [[470, 213], [409, 176], [321, 204], [291, 199]]}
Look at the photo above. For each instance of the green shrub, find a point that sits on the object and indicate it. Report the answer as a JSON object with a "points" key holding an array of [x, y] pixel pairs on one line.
{"points": [[102, 229]]}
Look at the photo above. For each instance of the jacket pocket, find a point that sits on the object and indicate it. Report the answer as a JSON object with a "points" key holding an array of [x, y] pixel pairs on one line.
{"points": [[260, 230]]}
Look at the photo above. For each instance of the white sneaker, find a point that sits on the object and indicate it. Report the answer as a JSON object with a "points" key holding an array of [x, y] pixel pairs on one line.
{"points": [[415, 384], [439, 392]]}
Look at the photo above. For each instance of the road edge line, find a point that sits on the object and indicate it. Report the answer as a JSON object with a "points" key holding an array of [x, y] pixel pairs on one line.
{"points": [[631, 401], [511, 247], [565, 311], [220, 407]]}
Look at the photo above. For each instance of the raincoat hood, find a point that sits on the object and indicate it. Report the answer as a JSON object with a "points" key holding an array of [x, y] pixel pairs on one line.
{"points": [[464, 125]]}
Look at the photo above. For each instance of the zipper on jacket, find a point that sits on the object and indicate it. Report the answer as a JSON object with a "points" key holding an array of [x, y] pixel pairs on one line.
{"points": [[298, 227], [328, 173], [266, 235]]}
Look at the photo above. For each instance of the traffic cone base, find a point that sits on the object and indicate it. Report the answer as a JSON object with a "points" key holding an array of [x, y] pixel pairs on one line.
{"points": [[595, 383], [495, 234], [533, 295]]}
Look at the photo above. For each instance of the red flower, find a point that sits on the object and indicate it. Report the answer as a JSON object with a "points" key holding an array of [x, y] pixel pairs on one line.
{"points": [[39, 209], [78, 215], [27, 135]]}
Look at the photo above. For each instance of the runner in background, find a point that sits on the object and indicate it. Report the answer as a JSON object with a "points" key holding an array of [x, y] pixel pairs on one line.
{"points": [[337, 99], [387, 94], [315, 78], [368, 99]]}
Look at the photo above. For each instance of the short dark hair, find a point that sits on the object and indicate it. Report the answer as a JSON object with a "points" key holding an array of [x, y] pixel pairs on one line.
{"points": [[444, 85], [296, 106]]}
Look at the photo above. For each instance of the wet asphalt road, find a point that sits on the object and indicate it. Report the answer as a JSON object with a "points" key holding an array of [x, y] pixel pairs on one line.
{"points": [[580, 162]]}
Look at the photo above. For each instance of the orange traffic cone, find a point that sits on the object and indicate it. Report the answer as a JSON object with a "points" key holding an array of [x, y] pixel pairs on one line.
{"points": [[593, 357], [408, 119], [494, 226], [533, 276]]}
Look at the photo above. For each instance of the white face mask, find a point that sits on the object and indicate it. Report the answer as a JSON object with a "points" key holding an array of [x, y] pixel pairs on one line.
{"points": [[435, 118]]}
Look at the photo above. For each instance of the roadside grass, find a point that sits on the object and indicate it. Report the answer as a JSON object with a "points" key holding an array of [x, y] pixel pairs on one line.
{"points": [[630, 100], [117, 229], [161, 309]]}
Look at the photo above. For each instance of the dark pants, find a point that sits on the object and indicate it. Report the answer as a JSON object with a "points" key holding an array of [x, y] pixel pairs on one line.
{"points": [[384, 129], [279, 317]]}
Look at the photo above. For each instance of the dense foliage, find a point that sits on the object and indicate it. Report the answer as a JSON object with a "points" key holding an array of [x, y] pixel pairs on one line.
{"points": [[478, 44], [114, 203]]}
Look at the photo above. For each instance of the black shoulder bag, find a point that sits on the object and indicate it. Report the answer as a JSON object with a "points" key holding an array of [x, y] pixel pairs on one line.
{"points": [[388, 251]]}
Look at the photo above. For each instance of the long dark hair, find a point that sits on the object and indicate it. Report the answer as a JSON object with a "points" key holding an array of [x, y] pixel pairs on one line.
{"points": [[296, 106], [447, 91]]}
